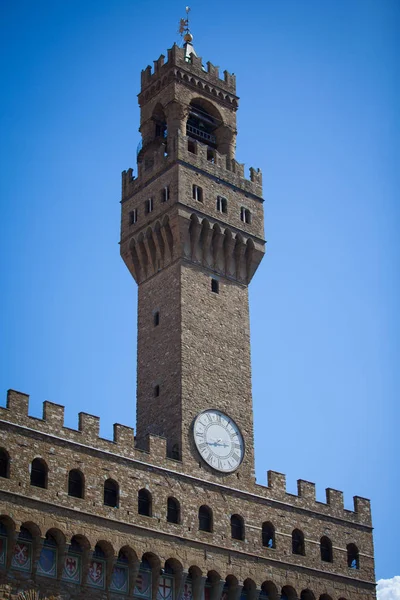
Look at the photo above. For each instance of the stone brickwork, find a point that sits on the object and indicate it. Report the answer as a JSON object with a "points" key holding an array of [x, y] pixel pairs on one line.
{"points": [[86, 517], [52, 509]]}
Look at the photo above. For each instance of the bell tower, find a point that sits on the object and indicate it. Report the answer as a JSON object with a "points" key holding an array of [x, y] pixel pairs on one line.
{"points": [[192, 237]]}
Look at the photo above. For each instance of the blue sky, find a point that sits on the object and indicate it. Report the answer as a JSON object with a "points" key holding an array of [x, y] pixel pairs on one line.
{"points": [[319, 90]]}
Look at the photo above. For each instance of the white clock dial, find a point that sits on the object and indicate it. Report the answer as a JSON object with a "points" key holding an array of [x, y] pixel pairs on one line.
{"points": [[218, 440]]}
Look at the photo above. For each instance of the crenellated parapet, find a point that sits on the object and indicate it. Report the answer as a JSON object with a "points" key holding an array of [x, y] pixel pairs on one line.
{"points": [[218, 166], [192, 72], [86, 439]]}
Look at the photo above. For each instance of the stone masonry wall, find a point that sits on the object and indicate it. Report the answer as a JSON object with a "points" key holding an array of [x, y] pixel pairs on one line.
{"points": [[100, 459]]}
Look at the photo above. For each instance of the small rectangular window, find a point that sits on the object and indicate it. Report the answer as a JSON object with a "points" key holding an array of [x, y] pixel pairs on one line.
{"points": [[210, 154], [133, 216], [165, 194], [245, 215], [149, 205], [197, 193], [156, 318], [222, 204], [215, 286], [156, 391]]}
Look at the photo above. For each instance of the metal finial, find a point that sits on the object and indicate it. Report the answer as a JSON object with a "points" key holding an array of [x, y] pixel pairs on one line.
{"points": [[184, 27]]}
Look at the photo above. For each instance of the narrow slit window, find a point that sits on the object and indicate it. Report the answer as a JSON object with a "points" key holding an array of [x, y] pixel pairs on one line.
{"points": [[197, 193], [149, 205], [156, 319], [165, 194], [245, 215], [156, 391], [215, 286], [191, 147], [133, 216]]}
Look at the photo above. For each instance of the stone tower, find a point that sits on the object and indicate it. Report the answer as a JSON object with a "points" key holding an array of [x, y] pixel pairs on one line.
{"points": [[175, 513], [192, 237]]}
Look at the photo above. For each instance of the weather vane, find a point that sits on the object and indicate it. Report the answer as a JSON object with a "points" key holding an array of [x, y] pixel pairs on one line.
{"points": [[184, 24]]}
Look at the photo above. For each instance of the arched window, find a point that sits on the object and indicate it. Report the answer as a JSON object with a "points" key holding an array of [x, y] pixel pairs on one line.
{"points": [[205, 518], [39, 473], [307, 595], [268, 535], [111, 493], [4, 463], [326, 549], [298, 542], [353, 557], [173, 511], [269, 591], [237, 527], [144, 503], [202, 122], [75, 484], [288, 593]]}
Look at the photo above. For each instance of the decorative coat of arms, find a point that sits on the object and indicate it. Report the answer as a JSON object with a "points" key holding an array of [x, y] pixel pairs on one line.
{"points": [[3, 552], [143, 584], [187, 593], [165, 588], [96, 573], [47, 564], [22, 557], [119, 579], [72, 569]]}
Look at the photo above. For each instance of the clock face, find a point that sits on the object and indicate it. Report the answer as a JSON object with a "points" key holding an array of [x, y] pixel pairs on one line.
{"points": [[218, 440]]}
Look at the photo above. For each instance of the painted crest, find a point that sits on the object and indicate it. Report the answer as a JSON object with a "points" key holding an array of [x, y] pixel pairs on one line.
{"points": [[187, 593], [21, 559], [3, 552], [96, 573], [165, 588], [119, 579], [71, 571], [143, 584], [47, 562]]}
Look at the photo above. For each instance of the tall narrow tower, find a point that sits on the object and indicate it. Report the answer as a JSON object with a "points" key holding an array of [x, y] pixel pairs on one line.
{"points": [[192, 237]]}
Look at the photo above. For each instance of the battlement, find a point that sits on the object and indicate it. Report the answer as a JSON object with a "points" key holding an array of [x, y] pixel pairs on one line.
{"points": [[122, 445], [306, 493], [219, 166], [193, 64]]}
